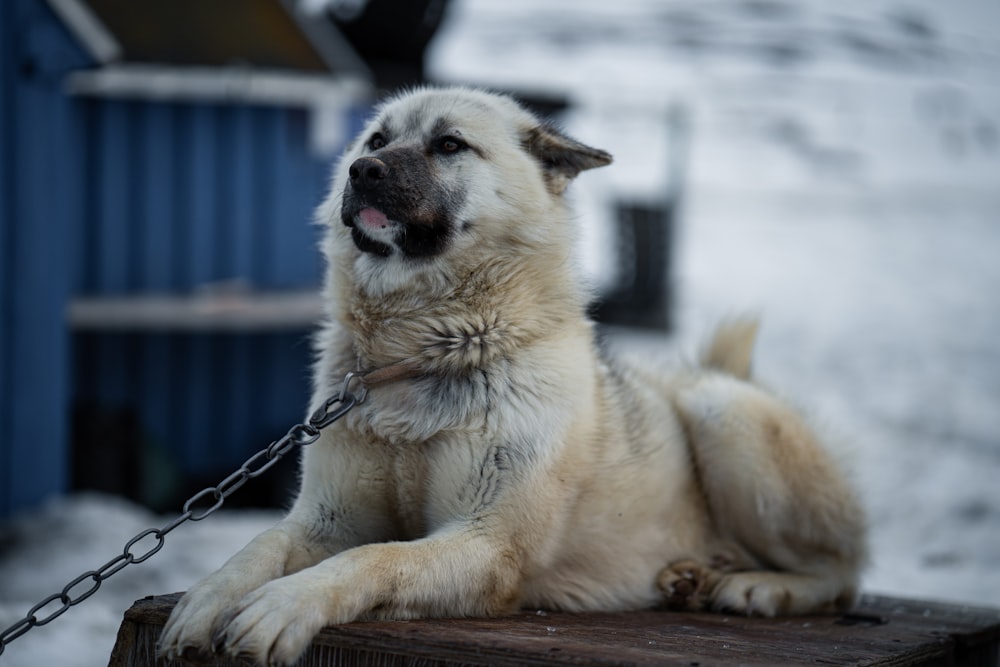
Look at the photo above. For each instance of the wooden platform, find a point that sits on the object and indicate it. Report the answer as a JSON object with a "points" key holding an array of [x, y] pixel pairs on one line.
{"points": [[881, 631]]}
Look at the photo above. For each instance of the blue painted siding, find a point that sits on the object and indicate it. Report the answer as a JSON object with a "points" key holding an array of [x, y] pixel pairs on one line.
{"points": [[110, 197], [39, 192], [185, 195], [7, 134]]}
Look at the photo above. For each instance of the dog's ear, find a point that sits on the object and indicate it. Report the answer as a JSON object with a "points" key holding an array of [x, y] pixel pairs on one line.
{"points": [[561, 158]]}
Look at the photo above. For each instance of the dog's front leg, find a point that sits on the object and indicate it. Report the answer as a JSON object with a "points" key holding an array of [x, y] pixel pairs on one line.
{"points": [[461, 571], [270, 555]]}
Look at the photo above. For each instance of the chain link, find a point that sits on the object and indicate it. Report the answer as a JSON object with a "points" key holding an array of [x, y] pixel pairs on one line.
{"points": [[195, 508]]}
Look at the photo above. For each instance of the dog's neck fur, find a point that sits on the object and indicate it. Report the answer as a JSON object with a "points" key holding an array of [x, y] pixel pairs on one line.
{"points": [[469, 327]]}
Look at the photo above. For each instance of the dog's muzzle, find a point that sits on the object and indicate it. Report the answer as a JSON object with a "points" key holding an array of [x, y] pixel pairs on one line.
{"points": [[368, 173], [398, 204]]}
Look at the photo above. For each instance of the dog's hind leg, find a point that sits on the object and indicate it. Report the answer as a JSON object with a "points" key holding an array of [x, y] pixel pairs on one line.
{"points": [[775, 495]]}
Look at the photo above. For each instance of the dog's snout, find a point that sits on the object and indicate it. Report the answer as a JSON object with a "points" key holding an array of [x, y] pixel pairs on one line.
{"points": [[368, 172]]}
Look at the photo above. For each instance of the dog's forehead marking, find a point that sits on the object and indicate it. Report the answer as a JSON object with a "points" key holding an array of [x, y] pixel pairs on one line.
{"points": [[445, 125], [431, 118], [415, 126]]}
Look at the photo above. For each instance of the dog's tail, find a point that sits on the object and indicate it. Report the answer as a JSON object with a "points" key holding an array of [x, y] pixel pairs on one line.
{"points": [[730, 349]]}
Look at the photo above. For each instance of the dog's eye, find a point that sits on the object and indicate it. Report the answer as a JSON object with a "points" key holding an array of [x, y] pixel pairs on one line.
{"points": [[376, 142], [450, 145]]}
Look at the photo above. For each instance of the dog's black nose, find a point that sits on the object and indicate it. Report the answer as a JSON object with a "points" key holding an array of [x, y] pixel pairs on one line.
{"points": [[367, 173]]}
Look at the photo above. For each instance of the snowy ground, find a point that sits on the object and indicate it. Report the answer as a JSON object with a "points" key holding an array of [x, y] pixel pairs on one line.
{"points": [[843, 181]]}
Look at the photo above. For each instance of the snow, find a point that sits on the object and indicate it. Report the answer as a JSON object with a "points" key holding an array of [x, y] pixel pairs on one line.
{"points": [[842, 181]]}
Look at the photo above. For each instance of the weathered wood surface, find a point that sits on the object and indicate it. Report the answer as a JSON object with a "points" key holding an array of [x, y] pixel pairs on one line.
{"points": [[881, 631]]}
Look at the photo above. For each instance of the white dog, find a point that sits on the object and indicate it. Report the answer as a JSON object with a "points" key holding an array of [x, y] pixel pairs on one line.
{"points": [[501, 460]]}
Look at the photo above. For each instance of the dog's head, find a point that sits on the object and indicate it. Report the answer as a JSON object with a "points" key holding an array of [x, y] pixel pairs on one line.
{"points": [[443, 169]]}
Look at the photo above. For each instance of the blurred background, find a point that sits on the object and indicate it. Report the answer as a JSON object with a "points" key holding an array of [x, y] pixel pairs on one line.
{"points": [[832, 166]]}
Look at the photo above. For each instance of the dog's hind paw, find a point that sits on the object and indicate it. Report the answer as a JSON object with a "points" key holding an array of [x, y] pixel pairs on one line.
{"points": [[781, 593], [687, 585]]}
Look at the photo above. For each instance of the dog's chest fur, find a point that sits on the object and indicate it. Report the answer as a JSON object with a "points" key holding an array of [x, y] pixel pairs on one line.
{"points": [[405, 489], [442, 443], [417, 486]]}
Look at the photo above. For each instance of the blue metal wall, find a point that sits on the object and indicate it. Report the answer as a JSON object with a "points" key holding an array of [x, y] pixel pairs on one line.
{"points": [[179, 195], [110, 197], [39, 192]]}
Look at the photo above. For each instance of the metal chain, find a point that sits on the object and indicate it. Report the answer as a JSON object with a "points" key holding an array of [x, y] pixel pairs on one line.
{"points": [[195, 508]]}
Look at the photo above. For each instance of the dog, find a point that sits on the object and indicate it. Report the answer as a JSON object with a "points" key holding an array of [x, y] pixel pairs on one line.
{"points": [[500, 459]]}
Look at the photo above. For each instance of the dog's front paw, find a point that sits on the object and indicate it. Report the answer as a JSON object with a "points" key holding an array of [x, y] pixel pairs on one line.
{"points": [[275, 624], [188, 632]]}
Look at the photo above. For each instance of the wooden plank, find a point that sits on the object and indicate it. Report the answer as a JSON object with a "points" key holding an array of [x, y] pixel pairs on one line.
{"points": [[881, 631]]}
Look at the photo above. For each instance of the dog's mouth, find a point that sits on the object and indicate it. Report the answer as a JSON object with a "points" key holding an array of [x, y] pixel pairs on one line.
{"points": [[370, 219], [373, 219], [372, 230], [381, 233]]}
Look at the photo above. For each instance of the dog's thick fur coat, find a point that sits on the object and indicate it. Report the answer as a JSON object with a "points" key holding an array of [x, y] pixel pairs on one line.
{"points": [[513, 464]]}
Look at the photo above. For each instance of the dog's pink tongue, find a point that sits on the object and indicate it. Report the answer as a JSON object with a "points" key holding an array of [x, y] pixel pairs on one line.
{"points": [[371, 217]]}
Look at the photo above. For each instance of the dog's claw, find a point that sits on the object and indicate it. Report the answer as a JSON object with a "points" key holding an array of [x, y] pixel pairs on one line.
{"points": [[220, 640]]}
